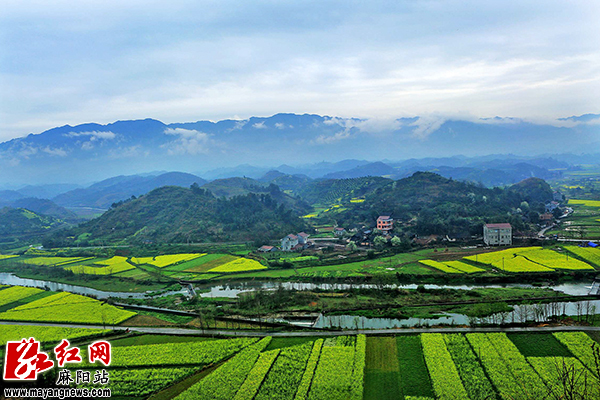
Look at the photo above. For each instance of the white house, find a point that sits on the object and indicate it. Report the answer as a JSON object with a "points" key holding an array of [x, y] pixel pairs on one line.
{"points": [[497, 234], [288, 242]]}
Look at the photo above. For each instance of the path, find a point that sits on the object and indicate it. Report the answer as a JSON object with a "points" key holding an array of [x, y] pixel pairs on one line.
{"points": [[395, 331]]}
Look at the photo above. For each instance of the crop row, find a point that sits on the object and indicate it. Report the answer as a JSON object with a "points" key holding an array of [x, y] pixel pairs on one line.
{"points": [[16, 293], [257, 375], [107, 270], [224, 382], [166, 260], [333, 376], [566, 376], [358, 371], [444, 375], [196, 353], [282, 381], [239, 265], [441, 266], [508, 369], [589, 254], [311, 365], [54, 261], [463, 267], [587, 203], [583, 347], [67, 307], [552, 259], [470, 370]]}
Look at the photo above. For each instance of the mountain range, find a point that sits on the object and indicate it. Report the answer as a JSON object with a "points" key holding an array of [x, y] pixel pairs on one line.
{"points": [[91, 152]]}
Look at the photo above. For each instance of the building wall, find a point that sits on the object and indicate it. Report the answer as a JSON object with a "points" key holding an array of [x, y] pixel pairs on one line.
{"points": [[497, 237]]}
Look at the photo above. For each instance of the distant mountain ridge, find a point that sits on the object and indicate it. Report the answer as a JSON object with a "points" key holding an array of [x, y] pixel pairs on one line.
{"points": [[91, 152]]}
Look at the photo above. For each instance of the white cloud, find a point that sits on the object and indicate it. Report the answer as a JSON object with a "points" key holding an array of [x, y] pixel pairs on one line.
{"points": [[189, 141], [329, 139], [259, 125], [426, 126], [279, 125], [55, 151], [94, 135]]}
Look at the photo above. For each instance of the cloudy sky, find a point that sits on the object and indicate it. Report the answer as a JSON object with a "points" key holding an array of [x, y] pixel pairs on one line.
{"points": [[71, 62]]}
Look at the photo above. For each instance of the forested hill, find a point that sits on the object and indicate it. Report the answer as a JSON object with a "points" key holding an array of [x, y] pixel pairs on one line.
{"points": [[178, 215], [427, 203], [19, 223]]}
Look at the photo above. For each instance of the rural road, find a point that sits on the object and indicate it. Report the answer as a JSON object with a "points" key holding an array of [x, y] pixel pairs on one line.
{"points": [[224, 332]]}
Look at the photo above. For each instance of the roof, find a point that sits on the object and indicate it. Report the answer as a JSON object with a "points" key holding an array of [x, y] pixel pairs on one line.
{"points": [[499, 226], [303, 234], [266, 247], [292, 236], [340, 229], [384, 217]]}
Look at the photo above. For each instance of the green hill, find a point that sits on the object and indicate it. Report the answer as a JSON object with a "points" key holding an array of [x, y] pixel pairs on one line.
{"points": [[22, 224], [178, 215], [427, 203], [333, 191]]}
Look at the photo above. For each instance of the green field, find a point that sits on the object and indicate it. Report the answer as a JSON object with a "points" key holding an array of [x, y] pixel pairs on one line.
{"points": [[421, 366]]}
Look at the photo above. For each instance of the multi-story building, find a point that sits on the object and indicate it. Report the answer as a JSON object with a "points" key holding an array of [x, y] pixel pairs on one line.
{"points": [[385, 223], [497, 234]]}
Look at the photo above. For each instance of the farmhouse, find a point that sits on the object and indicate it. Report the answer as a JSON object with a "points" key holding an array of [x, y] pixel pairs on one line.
{"points": [[294, 242], [553, 205], [267, 249], [385, 223], [546, 219], [339, 231], [497, 234]]}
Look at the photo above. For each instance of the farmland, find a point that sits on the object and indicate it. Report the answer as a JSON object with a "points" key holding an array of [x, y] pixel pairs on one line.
{"points": [[60, 307], [428, 366]]}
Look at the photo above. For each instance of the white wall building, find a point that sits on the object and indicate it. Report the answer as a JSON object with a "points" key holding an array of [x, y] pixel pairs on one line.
{"points": [[497, 234]]}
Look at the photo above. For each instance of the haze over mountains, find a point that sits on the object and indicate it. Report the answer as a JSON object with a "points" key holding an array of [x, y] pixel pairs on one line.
{"points": [[88, 153]]}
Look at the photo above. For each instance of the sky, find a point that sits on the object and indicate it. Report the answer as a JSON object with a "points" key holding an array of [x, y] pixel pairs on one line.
{"points": [[72, 62]]}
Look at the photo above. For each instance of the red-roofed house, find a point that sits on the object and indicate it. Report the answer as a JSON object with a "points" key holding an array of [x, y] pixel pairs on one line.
{"points": [[497, 234], [266, 249], [303, 238], [385, 223]]}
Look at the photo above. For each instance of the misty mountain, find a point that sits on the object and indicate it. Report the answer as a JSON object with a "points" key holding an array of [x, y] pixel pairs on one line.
{"points": [[91, 151], [44, 207], [372, 169], [47, 191], [112, 190], [286, 182], [8, 196]]}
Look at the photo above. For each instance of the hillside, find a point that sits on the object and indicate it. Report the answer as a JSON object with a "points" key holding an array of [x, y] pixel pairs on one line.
{"points": [[231, 187], [177, 215], [21, 224], [331, 191], [45, 207], [427, 203]]}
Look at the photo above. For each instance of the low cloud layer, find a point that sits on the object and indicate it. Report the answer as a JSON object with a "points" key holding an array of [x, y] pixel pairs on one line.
{"points": [[188, 141]]}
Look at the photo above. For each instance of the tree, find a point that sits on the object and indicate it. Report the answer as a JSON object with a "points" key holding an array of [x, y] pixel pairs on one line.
{"points": [[396, 241], [380, 242], [352, 246]]}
